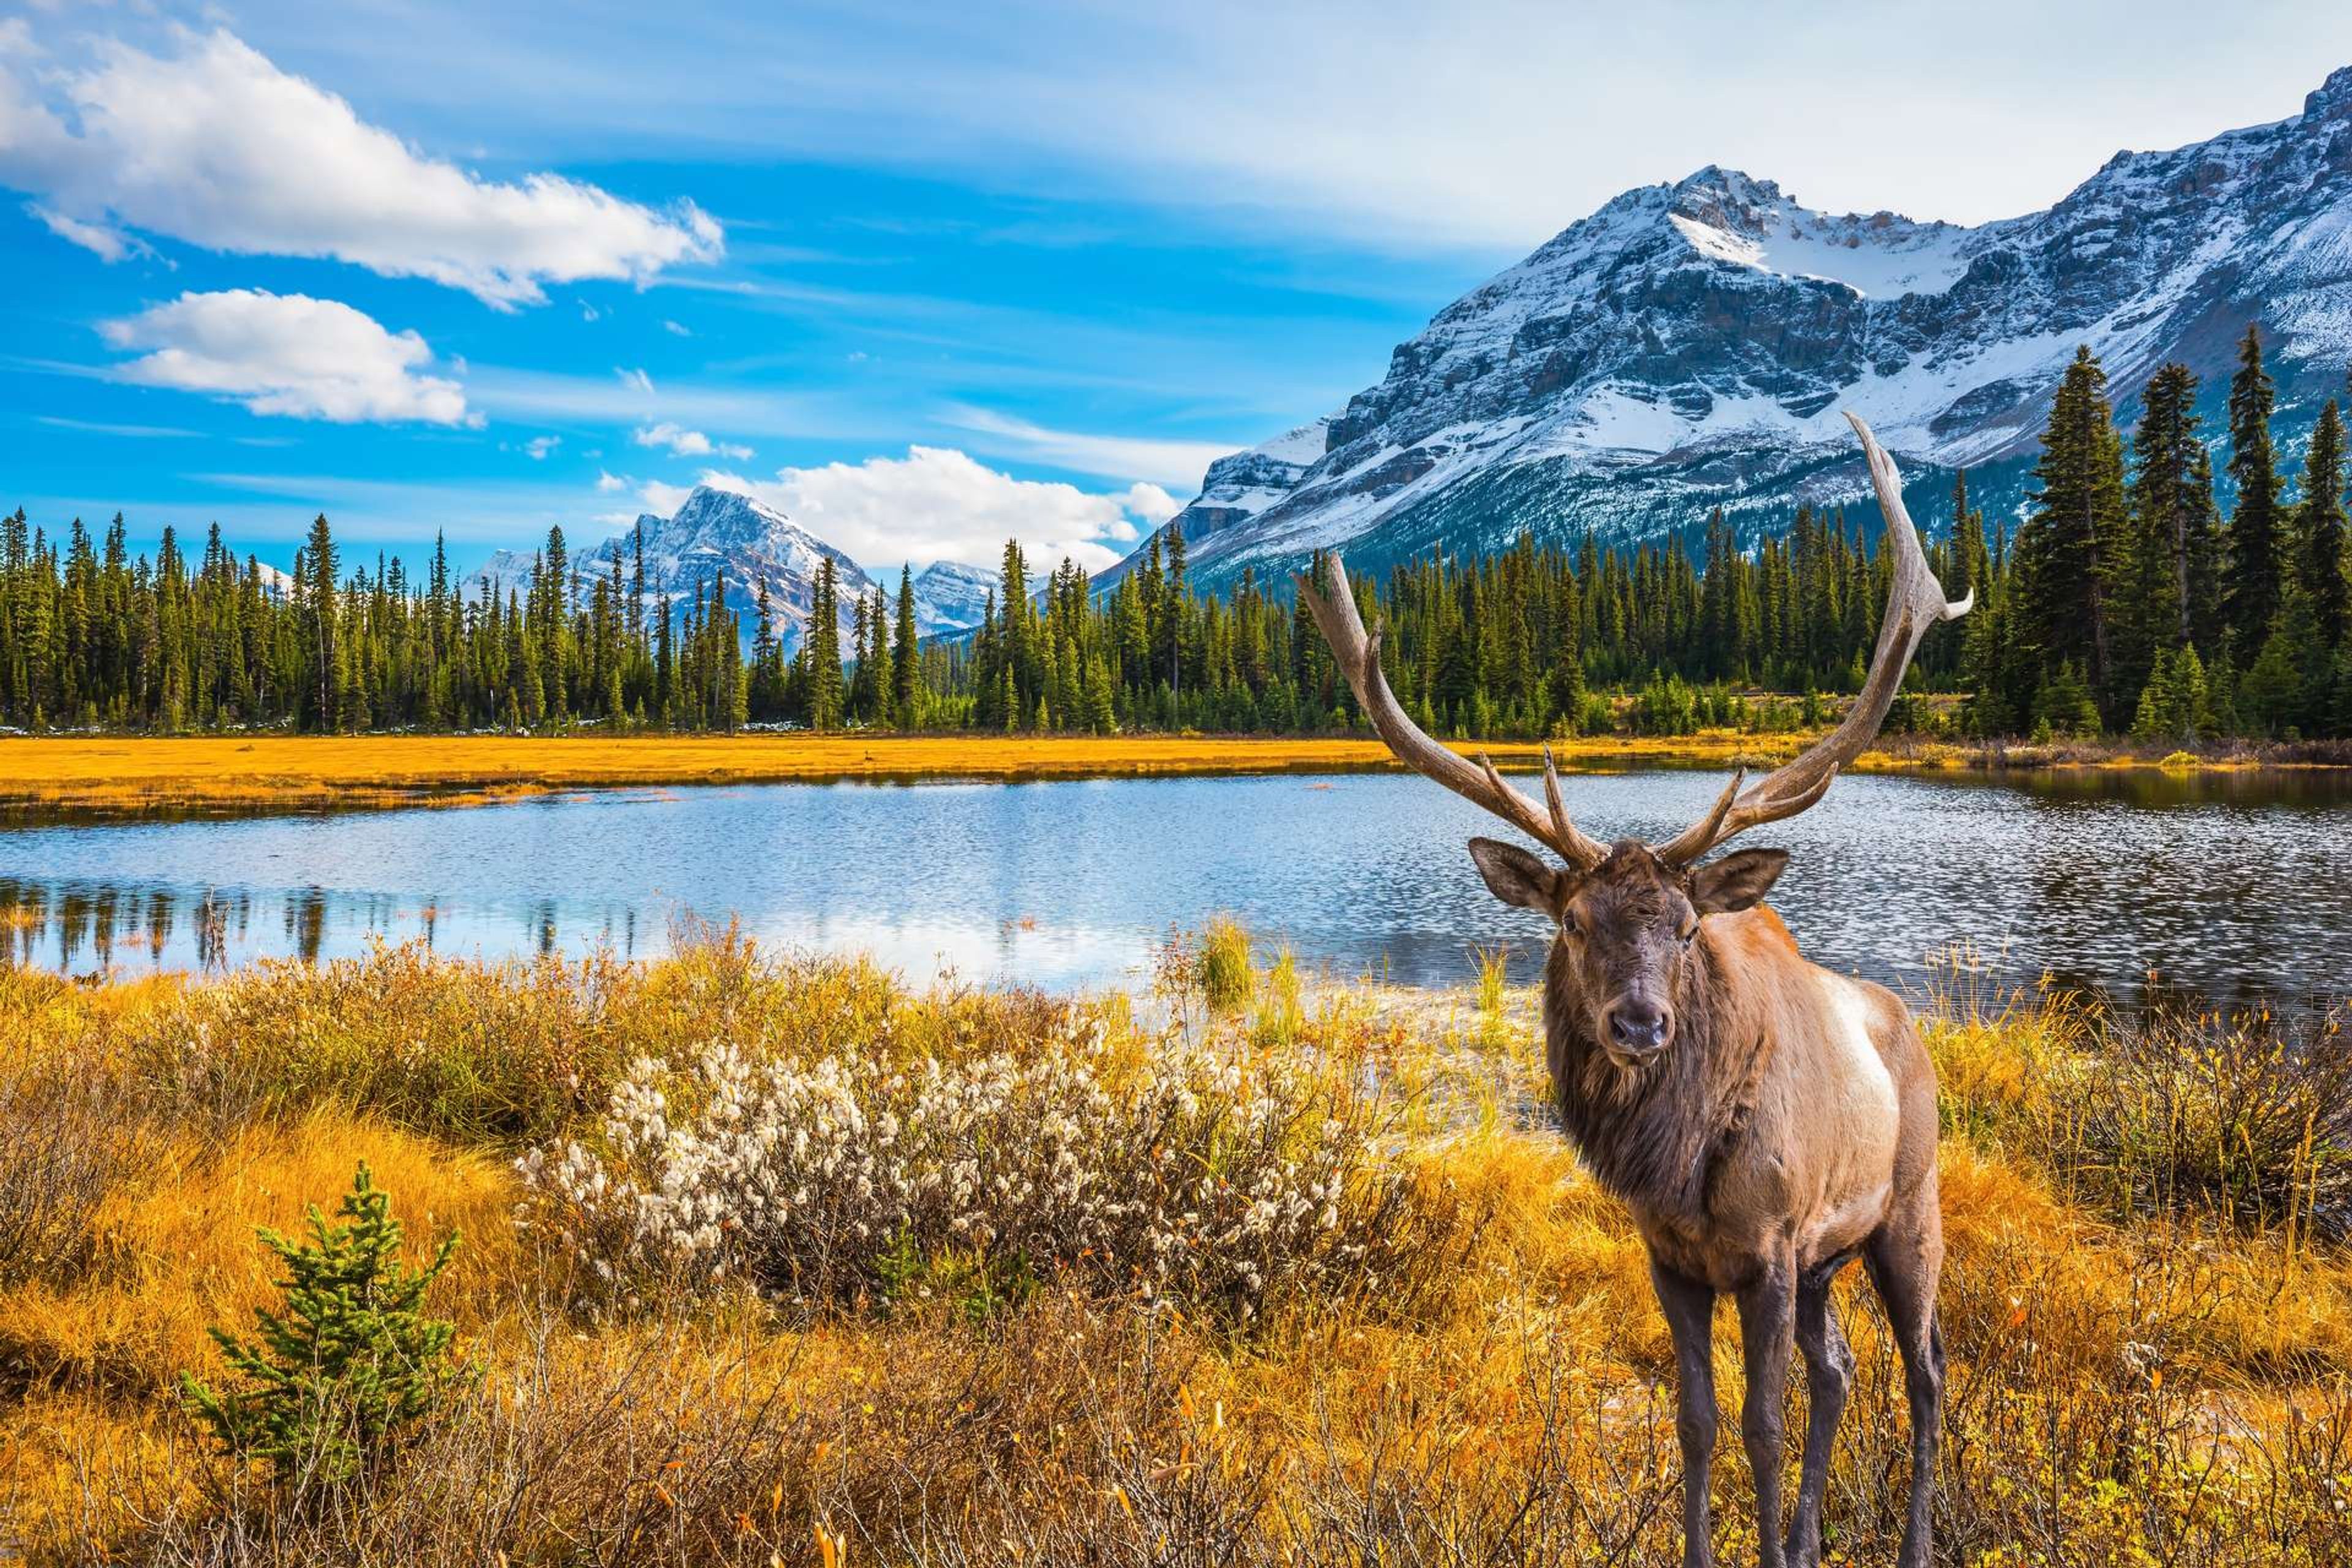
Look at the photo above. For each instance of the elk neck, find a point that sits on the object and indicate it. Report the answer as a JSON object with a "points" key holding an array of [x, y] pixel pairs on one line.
{"points": [[1653, 1134]]}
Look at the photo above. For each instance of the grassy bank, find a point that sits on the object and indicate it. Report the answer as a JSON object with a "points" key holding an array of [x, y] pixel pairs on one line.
{"points": [[130, 774], [768, 1260], [230, 772]]}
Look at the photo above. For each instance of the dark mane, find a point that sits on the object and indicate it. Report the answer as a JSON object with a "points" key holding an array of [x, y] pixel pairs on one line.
{"points": [[1651, 1134]]}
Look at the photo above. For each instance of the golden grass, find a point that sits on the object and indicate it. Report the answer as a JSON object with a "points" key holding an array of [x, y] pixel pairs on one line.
{"points": [[137, 773], [2149, 1388], [130, 773]]}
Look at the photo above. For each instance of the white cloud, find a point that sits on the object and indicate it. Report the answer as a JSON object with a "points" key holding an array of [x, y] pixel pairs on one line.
{"points": [[685, 443], [635, 380], [1179, 463], [107, 244], [287, 354], [216, 146], [609, 483], [1152, 503], [666, 498], [676, 330], [538, 447], [940, 504]]}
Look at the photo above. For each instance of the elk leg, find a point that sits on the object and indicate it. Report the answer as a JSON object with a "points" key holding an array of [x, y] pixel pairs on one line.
{"points": [[1766, 1309], [1904, 1264], [1829, 1374], [1689, 1307]]}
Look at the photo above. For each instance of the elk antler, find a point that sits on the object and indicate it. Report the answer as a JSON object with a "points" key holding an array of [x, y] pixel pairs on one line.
{"points": [[1915, 601], [1360, 660]]}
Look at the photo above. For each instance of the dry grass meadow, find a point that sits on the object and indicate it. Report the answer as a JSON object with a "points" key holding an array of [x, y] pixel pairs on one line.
{"points": [[768, 1259], [130, 772]]}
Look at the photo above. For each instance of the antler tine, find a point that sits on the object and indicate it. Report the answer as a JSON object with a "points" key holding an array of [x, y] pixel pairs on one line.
{"points": [[1359, 656], [1552, 803], [1915, 601]]}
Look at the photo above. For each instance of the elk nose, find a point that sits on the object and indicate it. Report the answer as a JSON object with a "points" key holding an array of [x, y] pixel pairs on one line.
{"points": [[1638, 1026]]}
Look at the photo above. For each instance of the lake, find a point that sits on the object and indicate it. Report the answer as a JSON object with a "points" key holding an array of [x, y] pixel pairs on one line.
{"points": [[2231, 885]]}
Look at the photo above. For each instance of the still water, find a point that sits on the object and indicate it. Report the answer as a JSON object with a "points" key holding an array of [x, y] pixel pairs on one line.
{"points": [[2234, 886]]}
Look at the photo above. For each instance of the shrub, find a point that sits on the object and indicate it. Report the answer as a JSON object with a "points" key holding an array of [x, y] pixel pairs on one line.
{"points": [[66, 1133], [2250, 1116], [352, 1365], [1212, 1178], [1225, 976]]}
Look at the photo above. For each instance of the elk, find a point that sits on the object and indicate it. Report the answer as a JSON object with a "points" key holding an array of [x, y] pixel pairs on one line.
{"points": [[1765, 1121]]}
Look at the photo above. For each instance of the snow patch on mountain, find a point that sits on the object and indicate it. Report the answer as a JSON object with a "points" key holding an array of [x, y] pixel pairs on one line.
{"points": [[1694, 345], [722, 536]]}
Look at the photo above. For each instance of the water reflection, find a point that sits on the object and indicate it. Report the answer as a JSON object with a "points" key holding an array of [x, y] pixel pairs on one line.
{"points": [[2102, 878]]}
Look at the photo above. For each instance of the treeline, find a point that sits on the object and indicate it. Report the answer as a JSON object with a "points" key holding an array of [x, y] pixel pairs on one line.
{"points": [[2129, 605], [1530, 641], [2124, 602]]}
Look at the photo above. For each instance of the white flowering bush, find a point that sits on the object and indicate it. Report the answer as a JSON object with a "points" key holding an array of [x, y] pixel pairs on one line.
{"points": [[1196, 1172]]}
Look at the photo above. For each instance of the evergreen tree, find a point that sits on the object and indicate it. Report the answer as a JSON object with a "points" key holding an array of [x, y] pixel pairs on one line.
{"points": [[906, 666], [2175, 529], [316, 586], [2257, 576], [822, 643], [2321, 564], [352, 1365], [2068, 552]]}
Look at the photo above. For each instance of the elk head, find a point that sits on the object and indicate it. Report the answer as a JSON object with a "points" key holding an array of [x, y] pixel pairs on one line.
{"points": [[1628, 915]]}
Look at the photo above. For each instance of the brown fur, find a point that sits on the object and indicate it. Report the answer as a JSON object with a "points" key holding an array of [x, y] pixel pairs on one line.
{"points": [[1786, 1125]]}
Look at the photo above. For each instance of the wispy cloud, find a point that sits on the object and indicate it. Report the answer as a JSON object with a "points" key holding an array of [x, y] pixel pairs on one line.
{"points": [[1176, 463], [101, 428], [484, 516], [684, 443], [1505, 143]]}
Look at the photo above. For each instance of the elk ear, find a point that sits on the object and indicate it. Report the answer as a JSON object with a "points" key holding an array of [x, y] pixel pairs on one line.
{"points": [[1736, 881], [1516, 877]]}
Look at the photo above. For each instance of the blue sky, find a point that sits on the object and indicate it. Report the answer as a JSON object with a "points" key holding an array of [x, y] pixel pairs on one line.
{"points": [[922, 275]]}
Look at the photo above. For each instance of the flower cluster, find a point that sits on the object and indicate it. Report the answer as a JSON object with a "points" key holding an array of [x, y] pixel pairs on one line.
{"points": [[1196, 1173]]}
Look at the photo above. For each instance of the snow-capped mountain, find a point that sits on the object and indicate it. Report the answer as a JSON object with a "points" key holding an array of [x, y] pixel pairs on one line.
{"points": [[714, 533], [1692, 345], [717, 533], [951, 596]]}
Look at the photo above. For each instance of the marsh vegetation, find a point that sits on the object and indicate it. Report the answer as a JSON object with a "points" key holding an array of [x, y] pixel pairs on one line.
{"points": [[768, 1258]]}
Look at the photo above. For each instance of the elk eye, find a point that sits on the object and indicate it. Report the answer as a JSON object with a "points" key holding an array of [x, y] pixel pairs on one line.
{"points": [[1689, 936], [1568, 926]]}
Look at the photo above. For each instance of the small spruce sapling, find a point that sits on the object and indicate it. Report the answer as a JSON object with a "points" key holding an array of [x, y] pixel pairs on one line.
{"points": [[351, 1364]]}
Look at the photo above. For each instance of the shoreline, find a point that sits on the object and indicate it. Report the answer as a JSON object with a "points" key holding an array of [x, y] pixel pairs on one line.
{"points": [[130, 775]]}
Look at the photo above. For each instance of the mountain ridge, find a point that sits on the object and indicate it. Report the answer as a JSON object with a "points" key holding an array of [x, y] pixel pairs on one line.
{"points": [[1692, 345], [721, 533]]}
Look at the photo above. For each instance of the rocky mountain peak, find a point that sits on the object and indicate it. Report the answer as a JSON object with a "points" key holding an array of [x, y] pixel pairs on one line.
{"points": [[1690, 345], [2333, 98]]}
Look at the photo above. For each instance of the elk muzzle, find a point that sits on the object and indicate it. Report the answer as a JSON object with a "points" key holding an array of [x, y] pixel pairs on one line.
{"points": [[1635, 1028]]}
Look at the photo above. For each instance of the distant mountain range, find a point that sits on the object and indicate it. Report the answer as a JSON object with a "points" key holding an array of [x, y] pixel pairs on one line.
{"points": [[716, 533], [1690, 345]]}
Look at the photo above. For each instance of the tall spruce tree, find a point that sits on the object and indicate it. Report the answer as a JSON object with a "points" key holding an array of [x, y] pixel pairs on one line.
{"points": [[822, 643], [2257, 574], [2069, 551], [2172, 503], [316, 588], [2320, 529], [906, 664]]}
